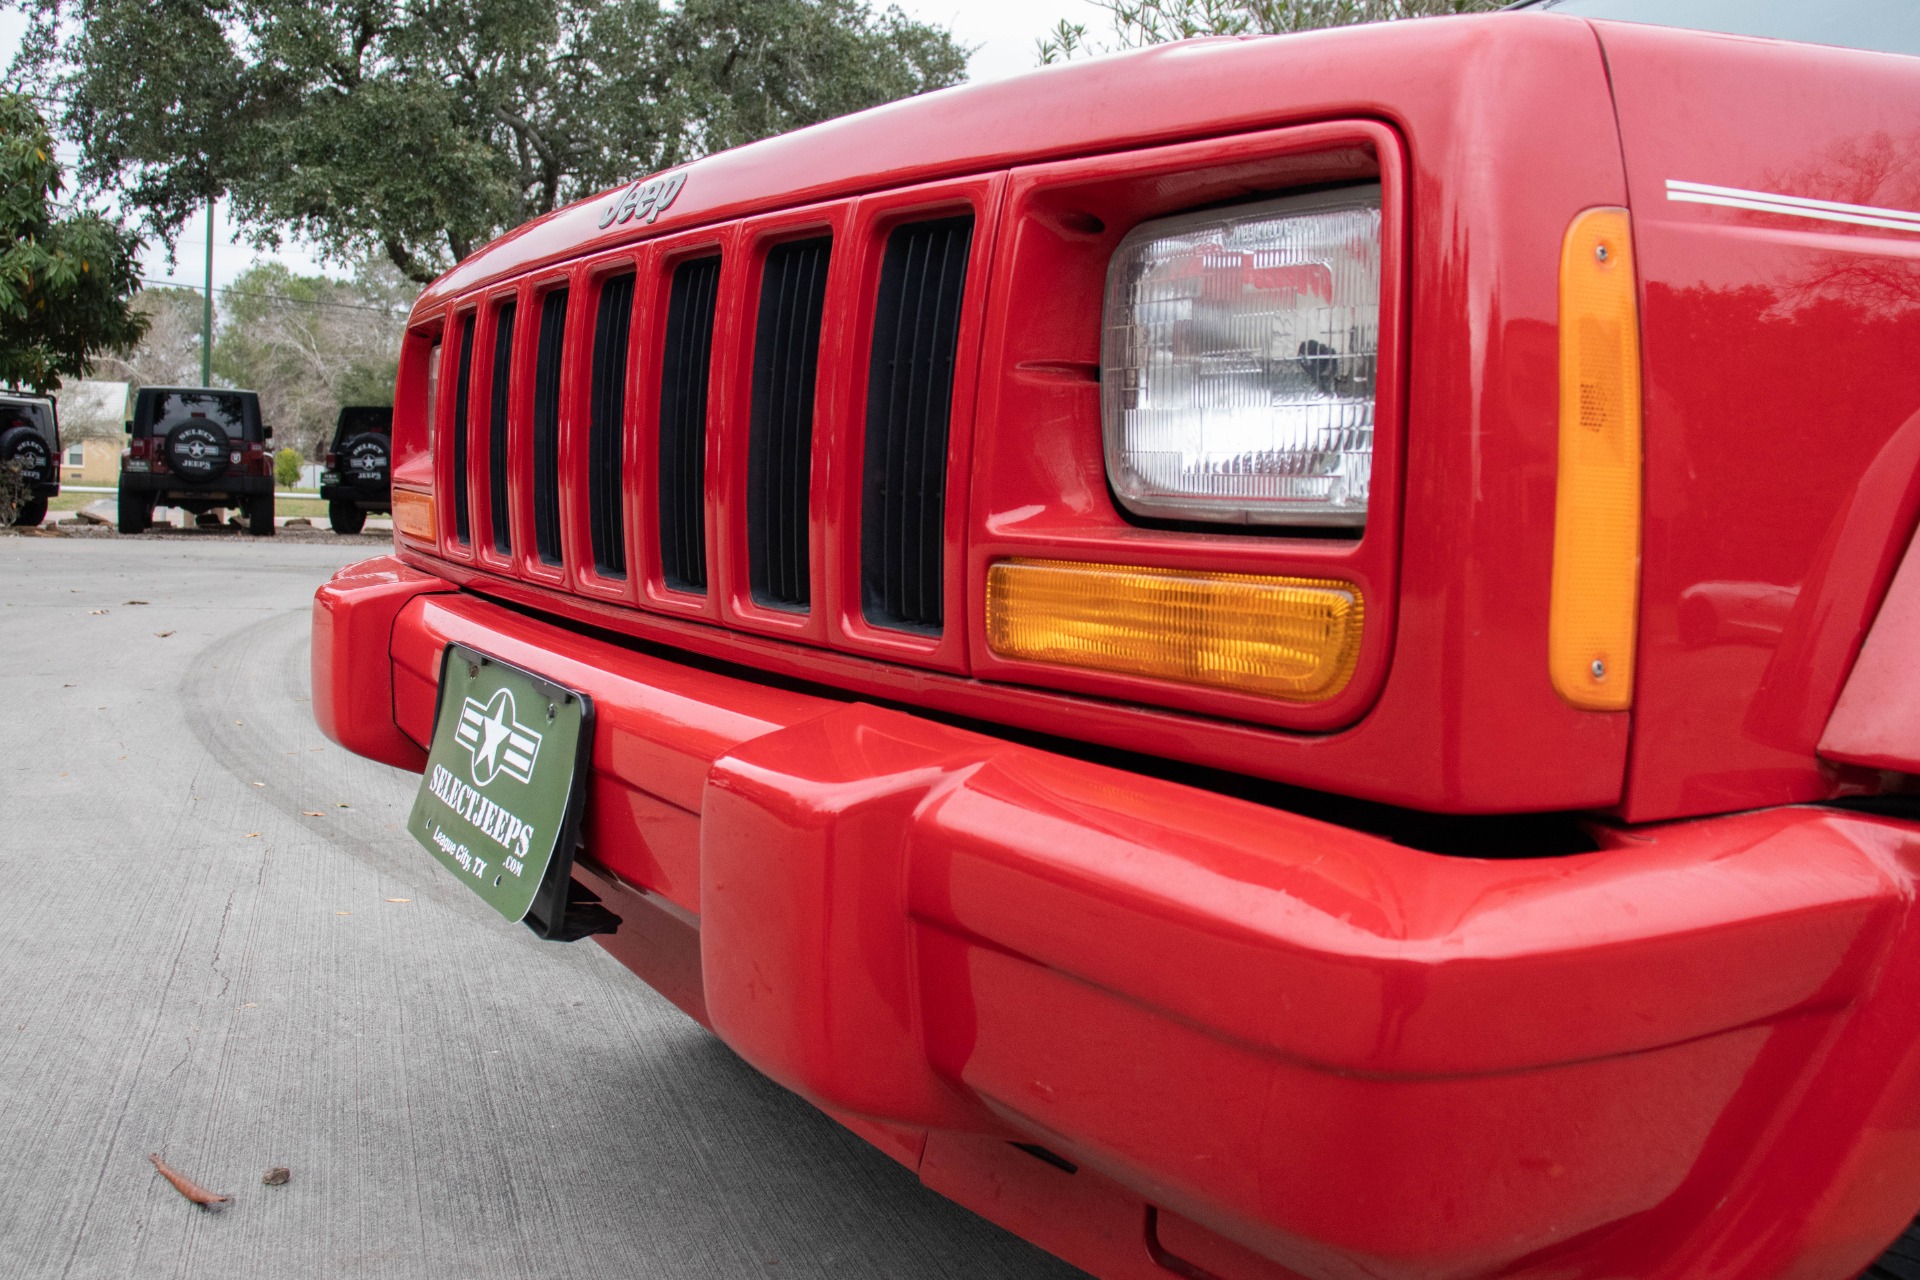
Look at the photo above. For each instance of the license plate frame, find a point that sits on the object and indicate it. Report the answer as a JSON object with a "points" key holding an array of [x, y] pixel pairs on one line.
{"points": [[503, 795]]}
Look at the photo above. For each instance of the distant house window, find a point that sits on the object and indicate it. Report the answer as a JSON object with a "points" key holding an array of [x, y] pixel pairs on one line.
{"points": [[76, 455]]}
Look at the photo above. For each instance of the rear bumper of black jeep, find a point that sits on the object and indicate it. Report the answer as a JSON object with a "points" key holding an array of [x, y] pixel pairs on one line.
{"points": [[368, 497], [165, 484]]}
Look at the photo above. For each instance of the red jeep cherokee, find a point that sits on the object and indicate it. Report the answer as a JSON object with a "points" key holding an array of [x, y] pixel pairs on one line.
{"points": [[1277, 657]]}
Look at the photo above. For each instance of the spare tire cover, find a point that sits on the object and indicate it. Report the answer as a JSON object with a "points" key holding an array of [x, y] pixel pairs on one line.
{"points": [[363, 458], [28, 448], [197, 450]]}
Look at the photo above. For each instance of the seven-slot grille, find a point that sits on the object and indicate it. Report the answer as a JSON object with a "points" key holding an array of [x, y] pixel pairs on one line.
{"points": [[900, 451]]}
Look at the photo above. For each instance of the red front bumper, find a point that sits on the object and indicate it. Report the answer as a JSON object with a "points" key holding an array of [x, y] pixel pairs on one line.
{"points": [[1253, 1033]]}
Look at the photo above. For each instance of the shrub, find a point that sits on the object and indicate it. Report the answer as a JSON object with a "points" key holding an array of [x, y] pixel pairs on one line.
{"points": [[15, 491]]}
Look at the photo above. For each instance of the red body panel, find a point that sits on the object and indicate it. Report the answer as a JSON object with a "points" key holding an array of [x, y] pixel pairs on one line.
{"points": [[1782, 385], [1245, 1043], [353, 695], [1300, 1042], [1876, 723]]}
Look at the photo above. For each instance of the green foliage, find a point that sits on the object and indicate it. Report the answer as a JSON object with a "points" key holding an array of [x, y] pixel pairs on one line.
{"points": [[67, 276], [1137, 23], [420, 130], [286, 467]]}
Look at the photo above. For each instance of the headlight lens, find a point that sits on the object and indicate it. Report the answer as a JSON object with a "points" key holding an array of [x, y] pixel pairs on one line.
{"points": [[1237, 362]]}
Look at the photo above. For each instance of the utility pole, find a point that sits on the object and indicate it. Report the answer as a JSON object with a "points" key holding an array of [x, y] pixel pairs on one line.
{"points": [[206, 310]]}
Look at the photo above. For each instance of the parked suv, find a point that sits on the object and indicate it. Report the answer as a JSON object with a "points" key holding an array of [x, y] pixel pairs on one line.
{"points": [[358, 478], [198, 448], [30, 438]]}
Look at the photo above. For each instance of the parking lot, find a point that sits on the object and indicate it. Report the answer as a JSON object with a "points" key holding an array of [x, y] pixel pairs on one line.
{"points": [[219, 946]]}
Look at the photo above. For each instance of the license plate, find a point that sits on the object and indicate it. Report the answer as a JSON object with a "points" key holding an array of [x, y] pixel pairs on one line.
{"points": [[500, 803]]}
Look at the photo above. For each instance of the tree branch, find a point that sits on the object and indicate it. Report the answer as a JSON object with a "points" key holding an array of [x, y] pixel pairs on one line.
{"points": [[409, 266]]}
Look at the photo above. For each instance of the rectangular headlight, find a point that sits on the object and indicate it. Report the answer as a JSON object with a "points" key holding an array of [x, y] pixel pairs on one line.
{"points": [[1237, 362]]}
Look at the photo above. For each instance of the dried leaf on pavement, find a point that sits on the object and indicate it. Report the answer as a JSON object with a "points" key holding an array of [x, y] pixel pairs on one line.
{"points": [[186, 1186]]}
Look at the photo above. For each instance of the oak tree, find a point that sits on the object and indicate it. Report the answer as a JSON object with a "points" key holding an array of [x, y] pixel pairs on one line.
{"points": [[419, 129], [1135, 24], [67, 274]]}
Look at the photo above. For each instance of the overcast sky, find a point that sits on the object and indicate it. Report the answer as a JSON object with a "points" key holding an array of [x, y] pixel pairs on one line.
{"points": [[1002, 34]]}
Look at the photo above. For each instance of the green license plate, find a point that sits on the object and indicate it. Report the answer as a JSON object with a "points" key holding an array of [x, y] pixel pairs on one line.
{"points": [[500, 803]]}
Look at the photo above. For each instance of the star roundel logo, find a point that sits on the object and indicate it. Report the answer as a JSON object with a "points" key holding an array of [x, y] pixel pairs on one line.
{"points": [[498, 742]]}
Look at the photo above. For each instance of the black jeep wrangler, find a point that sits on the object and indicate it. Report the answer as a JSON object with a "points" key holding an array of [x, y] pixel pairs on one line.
{"points": [[358, 475], [198, 448], [30, 441]]}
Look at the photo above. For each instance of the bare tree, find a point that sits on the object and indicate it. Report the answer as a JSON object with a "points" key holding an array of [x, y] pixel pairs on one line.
{"points": [[169, 354], [309, 345]]}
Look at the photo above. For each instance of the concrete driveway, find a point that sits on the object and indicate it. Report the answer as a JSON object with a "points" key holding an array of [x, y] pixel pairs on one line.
{"points": [[216, 943]]}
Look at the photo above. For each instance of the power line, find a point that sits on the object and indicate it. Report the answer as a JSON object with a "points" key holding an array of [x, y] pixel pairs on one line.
{"points": [[268, 297]]}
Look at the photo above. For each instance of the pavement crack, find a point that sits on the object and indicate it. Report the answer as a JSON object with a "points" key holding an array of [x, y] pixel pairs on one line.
{"points": [[219, 939]]}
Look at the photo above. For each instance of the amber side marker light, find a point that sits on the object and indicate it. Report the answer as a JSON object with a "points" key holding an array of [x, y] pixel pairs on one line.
{"points": [[1291, 638], [413, 515], [1593, 618]]}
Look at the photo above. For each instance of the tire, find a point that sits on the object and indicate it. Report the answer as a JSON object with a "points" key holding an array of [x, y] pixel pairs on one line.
{"points": [[1901, 1261], [260, 516], [30, 514], [346, 518], [198, 450], [136, 512]]}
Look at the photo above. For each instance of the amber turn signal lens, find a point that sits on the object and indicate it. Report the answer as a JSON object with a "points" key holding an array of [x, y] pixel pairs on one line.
{"points": [[1593, 619], [413, 515], [1290, 638]]}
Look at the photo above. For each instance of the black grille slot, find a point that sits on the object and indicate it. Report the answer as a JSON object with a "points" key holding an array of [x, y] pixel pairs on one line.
{"points": [[606, 420], [462, 501], [786, 351], [497, 431], [916, 328], [686, 360], [546, 426]]}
